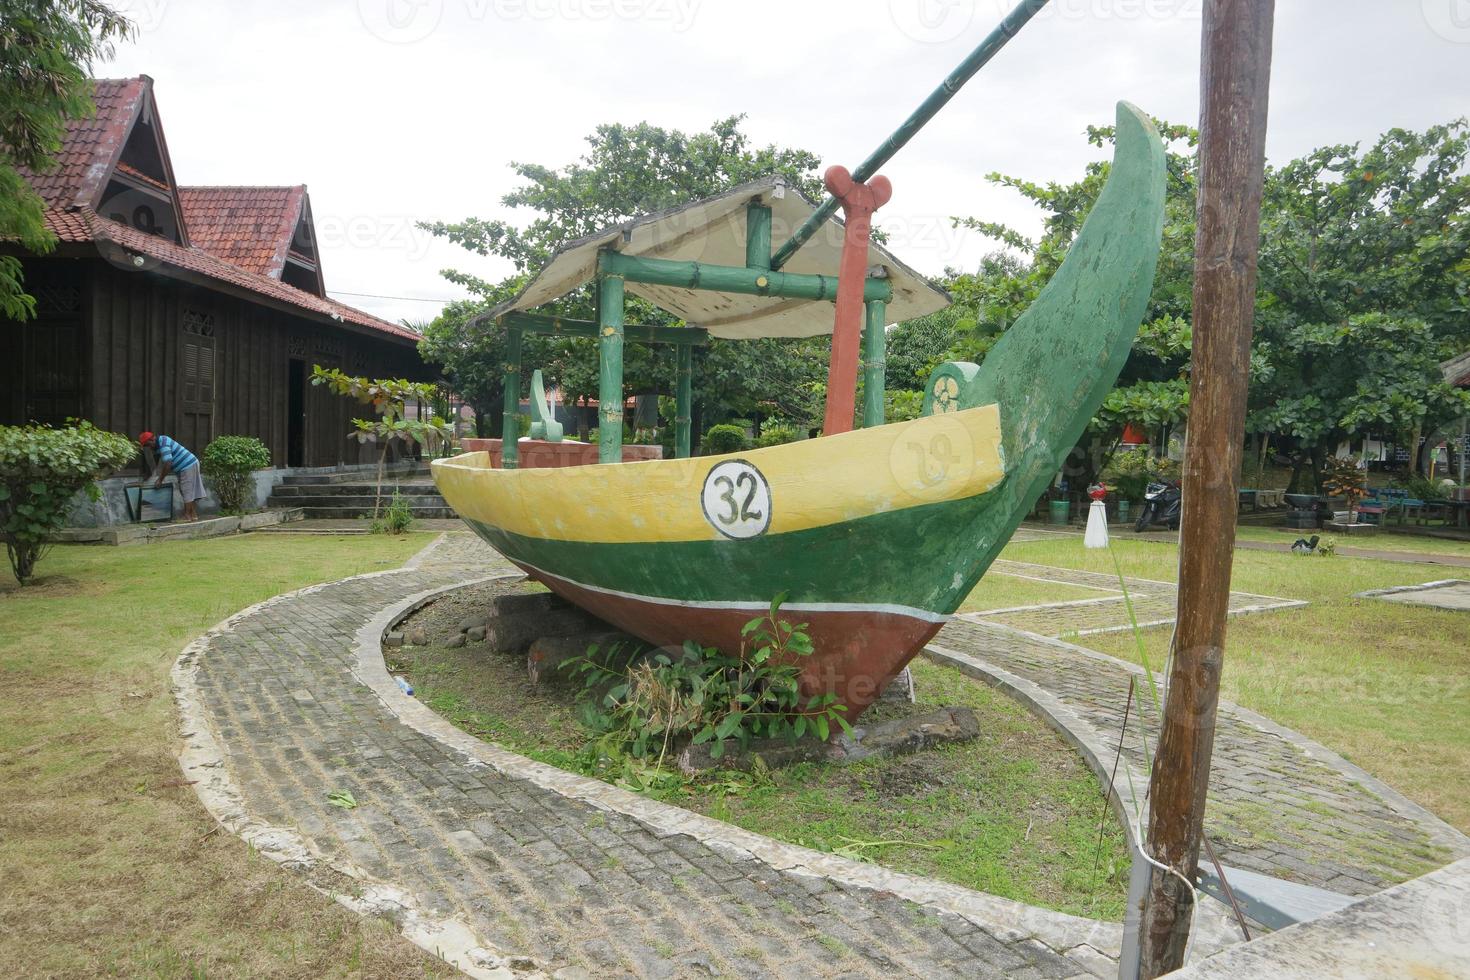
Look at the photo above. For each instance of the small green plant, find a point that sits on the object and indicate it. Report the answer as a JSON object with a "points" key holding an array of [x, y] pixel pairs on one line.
{"points": [[396, 519], [41, 469], [1420, 487], [1327, 548], [722, 439], [229, 462], [646, 705], [1132, 471], [389, 398], [1345, 478], [774, 433]]}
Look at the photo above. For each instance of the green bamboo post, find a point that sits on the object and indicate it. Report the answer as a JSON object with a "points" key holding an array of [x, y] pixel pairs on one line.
{"points": [[683, 400], [875, 343], [510, 429], [731, 279], [757, 236], [610, 369]]}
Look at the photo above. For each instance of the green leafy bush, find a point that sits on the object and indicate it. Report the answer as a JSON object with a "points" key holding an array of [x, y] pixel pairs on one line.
{"points": [[1132, 471], [776, 434], [1420, 487], [644, 706], [41, 469], [229, 462], [722, 439]]}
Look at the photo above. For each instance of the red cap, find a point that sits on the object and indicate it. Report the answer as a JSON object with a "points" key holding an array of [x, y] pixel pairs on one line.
{"points": [[145, 438]]}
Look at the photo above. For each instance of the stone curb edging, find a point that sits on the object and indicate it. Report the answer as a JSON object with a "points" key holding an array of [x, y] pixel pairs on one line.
{"points": [[1421, 587], [202, 758], [1093, 944]]}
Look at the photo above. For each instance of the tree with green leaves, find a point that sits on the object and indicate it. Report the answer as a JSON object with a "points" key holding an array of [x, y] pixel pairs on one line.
{"points": [[1364, 289], [46, 52], [627, 171], [389, 398]]}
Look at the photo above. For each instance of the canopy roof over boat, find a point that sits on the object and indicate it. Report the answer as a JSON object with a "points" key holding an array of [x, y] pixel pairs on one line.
{"points": [[712, 232]]}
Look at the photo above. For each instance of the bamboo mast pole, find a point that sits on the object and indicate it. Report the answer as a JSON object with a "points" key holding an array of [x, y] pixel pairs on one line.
{"points": [[1235, 74], [510, 428], [974, 61], [610, 369], [875, 344]]}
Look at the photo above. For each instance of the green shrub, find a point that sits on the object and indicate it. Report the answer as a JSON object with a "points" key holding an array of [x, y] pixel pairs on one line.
{"points": [[775, 433], [722, 439], [1132, 471], [646, 706], [1420, 487], [902, 406], [229, 462], [41, 469]]}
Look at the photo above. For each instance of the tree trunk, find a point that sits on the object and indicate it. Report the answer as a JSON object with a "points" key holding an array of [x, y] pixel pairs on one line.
{"points": [[1234, 80]]}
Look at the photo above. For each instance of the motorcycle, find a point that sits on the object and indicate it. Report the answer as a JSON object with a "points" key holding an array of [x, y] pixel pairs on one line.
{"points": [[1161, 505]]}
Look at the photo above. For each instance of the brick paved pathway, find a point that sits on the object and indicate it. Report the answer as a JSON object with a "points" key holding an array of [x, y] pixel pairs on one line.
{"points": [[583, 891], [1153, 602], [508, 871], [1279, 804]]}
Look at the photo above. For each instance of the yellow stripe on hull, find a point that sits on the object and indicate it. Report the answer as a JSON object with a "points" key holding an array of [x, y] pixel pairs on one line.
{"points": [[809, 484]]}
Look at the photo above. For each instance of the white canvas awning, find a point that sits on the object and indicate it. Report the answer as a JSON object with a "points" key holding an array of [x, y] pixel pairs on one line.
{"points": [[712, 231]]}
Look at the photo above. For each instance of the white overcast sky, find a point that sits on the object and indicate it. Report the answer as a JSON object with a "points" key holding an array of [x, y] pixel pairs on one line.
{"points": [[393, 111]]}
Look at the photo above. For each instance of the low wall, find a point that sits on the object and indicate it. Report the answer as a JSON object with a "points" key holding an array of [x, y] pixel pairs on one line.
{"points": [[111, 508], [538, 454]]}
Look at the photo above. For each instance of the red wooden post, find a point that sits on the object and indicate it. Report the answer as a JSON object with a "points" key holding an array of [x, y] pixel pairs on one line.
{"points": [[858, 201]]}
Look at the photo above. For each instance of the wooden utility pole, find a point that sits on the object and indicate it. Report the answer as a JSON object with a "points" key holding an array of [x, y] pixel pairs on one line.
{"points": [[1235, 72]]}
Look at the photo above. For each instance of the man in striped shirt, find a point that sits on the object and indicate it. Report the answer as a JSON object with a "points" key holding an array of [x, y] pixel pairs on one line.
{"points": [[174, 458]]}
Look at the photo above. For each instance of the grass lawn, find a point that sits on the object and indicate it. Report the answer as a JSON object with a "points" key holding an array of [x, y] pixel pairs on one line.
{"points": [[1014, 813], [1421, 543], [1386, 685], [111, 866]]}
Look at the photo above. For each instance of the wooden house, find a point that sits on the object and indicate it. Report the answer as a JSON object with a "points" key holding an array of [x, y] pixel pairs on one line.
{"points": [[195, 311]]}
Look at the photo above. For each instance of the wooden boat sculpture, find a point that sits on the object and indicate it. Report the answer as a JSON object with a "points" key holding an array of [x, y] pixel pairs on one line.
{"points": [[875, 536]]}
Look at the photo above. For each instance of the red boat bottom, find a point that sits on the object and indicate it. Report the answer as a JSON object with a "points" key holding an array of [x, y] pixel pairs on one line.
{"points": [[856, 651]]}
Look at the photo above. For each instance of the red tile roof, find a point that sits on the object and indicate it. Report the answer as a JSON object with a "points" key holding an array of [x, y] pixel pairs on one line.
{"points": [[92, 145], [117, 242], [236, 224], [249, 226]]}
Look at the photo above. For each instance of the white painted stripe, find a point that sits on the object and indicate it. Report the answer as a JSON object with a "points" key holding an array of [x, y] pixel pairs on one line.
{"points": [[892, 609]]}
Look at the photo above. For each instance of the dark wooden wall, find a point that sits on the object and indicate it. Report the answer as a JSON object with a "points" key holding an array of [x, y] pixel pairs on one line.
{"points": [[144, 331]]}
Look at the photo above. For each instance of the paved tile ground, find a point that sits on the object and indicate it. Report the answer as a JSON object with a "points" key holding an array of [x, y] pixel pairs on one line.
{"points": [[1452, 595], [588, 892], [584, 891], [1153, 602], [1278, 804]]}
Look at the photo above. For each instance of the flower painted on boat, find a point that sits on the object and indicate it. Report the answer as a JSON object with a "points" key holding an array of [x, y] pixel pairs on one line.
{"points": [[946, 395]]}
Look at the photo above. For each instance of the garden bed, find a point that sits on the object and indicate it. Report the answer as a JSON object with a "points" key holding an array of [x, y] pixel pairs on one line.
{"points": [[1014, 813]]}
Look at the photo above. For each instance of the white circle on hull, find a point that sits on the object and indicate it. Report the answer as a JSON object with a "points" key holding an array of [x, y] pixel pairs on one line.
{"points": [[737, 499]]}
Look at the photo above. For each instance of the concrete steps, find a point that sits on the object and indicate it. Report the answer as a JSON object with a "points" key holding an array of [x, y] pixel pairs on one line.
{"points": [[339, 496]]}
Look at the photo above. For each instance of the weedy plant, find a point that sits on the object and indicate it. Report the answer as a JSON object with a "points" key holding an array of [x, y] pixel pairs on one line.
{"points": [[646, 704], [396, 519]]}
